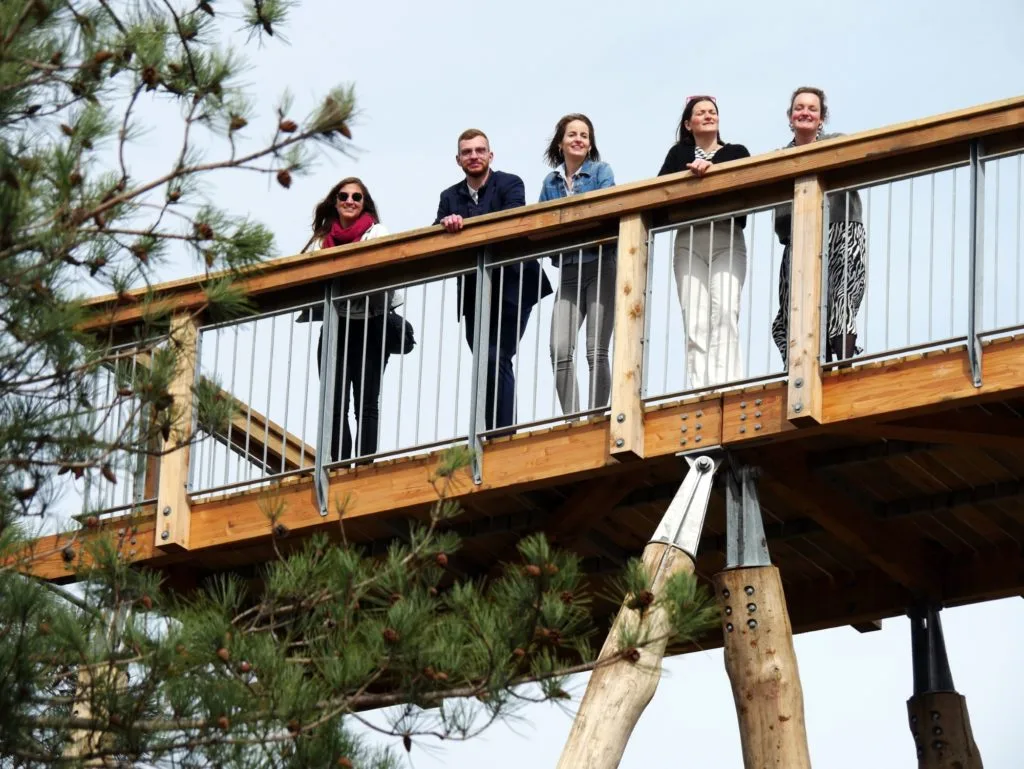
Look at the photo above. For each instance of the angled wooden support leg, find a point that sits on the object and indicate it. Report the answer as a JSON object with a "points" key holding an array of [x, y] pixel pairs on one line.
{"points": [[758, 639], [619, 690], [938, 715]]}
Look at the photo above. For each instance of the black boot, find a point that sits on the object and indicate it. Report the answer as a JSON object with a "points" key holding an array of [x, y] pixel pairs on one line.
{"points": [[841, 347]]}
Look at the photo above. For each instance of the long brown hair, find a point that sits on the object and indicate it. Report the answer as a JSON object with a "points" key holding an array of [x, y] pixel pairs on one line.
{"points": [[326, 214], [685, 135], [553, 155]]}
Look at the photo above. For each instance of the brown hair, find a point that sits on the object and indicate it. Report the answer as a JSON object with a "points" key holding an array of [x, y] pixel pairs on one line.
{"points": [[812, 90], [553, 155], [472, 133], [683, 134], [325, 214]]}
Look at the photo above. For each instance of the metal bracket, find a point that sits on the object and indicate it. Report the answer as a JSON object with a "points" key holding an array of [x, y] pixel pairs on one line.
{"points": [[928, 648], [683, 521], [975, 280], [745, 543]]}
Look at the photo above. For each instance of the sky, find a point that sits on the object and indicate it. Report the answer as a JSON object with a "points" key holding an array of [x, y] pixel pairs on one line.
{"points": [[426, 71]]}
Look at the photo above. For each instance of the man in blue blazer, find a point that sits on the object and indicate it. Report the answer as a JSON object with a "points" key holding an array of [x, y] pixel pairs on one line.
{"points": [[484, 191]]}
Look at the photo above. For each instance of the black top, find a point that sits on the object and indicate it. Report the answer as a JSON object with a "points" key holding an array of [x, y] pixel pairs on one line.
{"points": [[683, 154]]}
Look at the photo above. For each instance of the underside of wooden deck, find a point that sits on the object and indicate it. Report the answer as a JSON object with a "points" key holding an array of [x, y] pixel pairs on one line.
{"points": [[912, 487]]}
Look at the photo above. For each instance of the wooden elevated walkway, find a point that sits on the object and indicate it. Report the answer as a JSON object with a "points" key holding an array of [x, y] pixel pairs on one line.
{"points": [[895, 479]]}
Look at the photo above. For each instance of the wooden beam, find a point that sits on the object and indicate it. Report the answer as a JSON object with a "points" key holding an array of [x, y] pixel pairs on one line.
{"points": [[626, 439], [956, 428], [868, 626], [901, 559], [250, 430], [882, 149], [172, 500], [804, 397]]}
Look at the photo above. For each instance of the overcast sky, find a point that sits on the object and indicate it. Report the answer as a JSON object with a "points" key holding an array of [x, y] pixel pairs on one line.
{"points": [[425, 71]]}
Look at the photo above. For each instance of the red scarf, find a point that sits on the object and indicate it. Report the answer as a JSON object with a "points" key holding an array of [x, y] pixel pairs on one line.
{"points": [[339, 236]]}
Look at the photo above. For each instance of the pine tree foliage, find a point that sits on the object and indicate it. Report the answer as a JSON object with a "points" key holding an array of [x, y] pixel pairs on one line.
{"points": [[277, 670]]}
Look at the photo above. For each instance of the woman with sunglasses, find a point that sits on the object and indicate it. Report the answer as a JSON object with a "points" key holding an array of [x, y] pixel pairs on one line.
{"points": [[710, 261], [349, 215]]}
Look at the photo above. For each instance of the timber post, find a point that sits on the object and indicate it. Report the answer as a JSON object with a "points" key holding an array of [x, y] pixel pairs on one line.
{"points": [[172, 503], [938, 715], [620, 689], [758, 638], [626, 436], [804, 364]]}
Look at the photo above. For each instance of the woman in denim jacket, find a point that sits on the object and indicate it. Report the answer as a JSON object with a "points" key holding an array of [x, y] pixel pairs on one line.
{"points": [[586, 289]]}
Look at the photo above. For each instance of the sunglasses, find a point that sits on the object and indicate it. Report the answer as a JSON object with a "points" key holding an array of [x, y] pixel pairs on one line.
{"points": [[357, 197], [701, 97]]}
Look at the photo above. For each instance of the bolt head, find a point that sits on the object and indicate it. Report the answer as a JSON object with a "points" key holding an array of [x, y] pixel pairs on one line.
{"points": [[725, 593], [728, 626], [749, 590], [751, 607], [798, 407], [798, 382], [757, 427], [703, 464], [728, 610], [752, 624], [700, 413], [165, 534], [620, 442], [743, 404], [620, 418], [743, 429], [757, 402], [697, 439], [167, 510]]}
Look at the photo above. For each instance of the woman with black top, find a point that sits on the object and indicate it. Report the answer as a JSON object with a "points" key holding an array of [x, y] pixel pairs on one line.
{"points": [[710, 262]]}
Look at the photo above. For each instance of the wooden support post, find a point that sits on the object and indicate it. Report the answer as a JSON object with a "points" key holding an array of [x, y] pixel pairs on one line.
{"points": [[619, 690], [761, 663], [172, 504], [942, 731], [804, 402], [627, 426]]}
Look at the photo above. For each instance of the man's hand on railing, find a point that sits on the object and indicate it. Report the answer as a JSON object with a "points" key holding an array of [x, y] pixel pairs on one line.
{"points": [[452, 222]]}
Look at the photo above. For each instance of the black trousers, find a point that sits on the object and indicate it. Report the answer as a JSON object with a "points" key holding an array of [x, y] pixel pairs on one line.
{"points": [[358, 370], [503, 339]]}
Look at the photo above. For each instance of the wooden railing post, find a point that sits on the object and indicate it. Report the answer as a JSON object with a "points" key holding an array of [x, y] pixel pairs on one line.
{"points": [[804, 365], [172, 503], [627, 427]]}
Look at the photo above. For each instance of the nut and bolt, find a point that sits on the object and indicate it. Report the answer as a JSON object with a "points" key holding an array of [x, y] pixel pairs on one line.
{"points": [[798, 382], [165, 534], [620, 418], [798, 407], [620, 442], [167, 510]]}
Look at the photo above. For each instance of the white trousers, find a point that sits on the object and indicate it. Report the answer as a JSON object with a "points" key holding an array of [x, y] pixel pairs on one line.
{"points": [[710, 265]]}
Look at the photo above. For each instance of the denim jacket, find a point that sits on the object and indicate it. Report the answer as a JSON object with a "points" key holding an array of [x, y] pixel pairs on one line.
{"points": [[592, 175]]}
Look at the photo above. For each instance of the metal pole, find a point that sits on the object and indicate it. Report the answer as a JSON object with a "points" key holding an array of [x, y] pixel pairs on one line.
{"points": [[324, 427], [975, 282], [481, 348]]}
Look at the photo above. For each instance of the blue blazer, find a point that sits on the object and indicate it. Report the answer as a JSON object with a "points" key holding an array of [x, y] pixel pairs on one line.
{"points": [[501, 192]]}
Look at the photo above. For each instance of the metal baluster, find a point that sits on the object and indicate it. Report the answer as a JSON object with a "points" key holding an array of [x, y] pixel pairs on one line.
{"points": [[771, 299], [341, 389], [419, 368], [995, 250], [910, 253], [708, 368], [305, 397], [195, 416], [497, 345], [383, 347], [460, 287], [952, 259], [728, 357], [536, 342], [270, 387], [598, 309], [213, 443], [688, 380], [440, 365], [325, 399], [751, 261], [231, 390], [401, 361], [287, 395], [575, 332], [1020, 209], [826, 268], [250, 465], [478, 395], [519, 320], [554, 331], [357, 436], [867, 264], [931, 254], [667, 327], [888, 257]]}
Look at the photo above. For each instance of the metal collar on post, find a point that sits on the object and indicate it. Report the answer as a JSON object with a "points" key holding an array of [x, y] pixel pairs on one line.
{"points": [[928, 647], [683, 521]]}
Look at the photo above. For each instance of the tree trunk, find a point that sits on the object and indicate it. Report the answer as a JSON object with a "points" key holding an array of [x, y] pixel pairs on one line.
{"points": [[619, 691], [942, 731], [762, 667]]}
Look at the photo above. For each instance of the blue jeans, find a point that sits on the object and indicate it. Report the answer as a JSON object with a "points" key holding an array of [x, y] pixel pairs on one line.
{"points": [[503, 339]]}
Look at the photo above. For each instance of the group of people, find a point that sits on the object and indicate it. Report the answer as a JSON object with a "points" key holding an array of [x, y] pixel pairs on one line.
{"points": [[709, 264]]}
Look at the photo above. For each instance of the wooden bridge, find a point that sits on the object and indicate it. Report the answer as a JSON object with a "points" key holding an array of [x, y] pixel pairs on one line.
{"points": [[892, 480]]}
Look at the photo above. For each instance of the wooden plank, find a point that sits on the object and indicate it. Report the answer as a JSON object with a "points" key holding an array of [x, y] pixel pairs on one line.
{"points": [[804, 398], [957, 428], [285, 452], [688, 426], [929, 383], [881, 149], [172, 501], [626, 439]]}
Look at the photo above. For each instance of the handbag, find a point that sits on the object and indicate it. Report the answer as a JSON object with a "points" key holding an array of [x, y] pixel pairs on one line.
{"points": [[399, 336]]}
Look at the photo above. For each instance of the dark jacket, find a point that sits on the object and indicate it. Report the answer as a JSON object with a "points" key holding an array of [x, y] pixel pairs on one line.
{"points": [[682, 155], [502, 191]]}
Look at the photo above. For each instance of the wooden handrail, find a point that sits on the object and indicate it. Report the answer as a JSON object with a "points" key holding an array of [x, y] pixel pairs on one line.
{"points": [[881, 152]]}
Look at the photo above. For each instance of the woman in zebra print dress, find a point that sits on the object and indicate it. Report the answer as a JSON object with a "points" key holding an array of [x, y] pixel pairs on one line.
{"points": [[846, 248]]}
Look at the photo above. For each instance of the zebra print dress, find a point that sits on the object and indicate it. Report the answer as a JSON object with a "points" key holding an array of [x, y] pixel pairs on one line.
{"points": [[847, 248]]}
